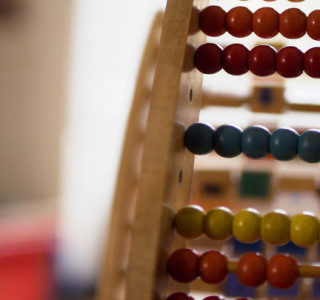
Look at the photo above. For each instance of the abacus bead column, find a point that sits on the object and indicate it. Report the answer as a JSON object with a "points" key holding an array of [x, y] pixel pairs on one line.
{"points": [[309, 146], [207, 58], [217, 223], [312, 62], [290, 62], [282, 271], [188, 221], [284, 144], [199, 138], [262, 60], [239, 21], [212, 20], [212, 267], [252, 269], [227, 141], [275, 228], [255, 141], [304, 229], [246, 226], [313, 25], [293, 23], [265, 22], [182, 265], [179, 296], [235, 59]]}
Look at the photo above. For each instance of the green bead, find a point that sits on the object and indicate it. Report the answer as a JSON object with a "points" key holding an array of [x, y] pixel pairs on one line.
{"points": [[246, 226], [188, 221], [275, 228], [217, 223]]}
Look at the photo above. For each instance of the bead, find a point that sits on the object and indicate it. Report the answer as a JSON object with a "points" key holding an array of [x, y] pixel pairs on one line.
{"points": [[265, 22], [304, 229], [275, 228], [255, 141], [212, 267], [284, 144], [313, 25], [207, 58], [212, 20], [290, 62], [312, 62], [282, 271], [235, 59], [252, 269], [188, 221], [246, 226], [239, 21], [227, 141], [293, 23], [182, 265], [262, 60], [199, 138], [217, 223], [309, 146], [179, 296], [213, 298]]}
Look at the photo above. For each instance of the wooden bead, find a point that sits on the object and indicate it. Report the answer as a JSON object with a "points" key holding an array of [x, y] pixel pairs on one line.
{"points": [[212, 267], [309, 146], [217, 223], [199, 138], [275, 228], [290, 62], [246, 226], [214, 298], [188, 221], [252, 269], [313, 25], [304, 229], [282, 271], [265, 22], [235, 59], [227, 141], [182, 265], [212, 20], [207, 58], [179, 296], [293, 23], [312, 62], [239, 21], [262, 60]]}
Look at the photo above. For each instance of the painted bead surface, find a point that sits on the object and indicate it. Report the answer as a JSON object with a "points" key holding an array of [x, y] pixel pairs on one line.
{"points": [[179, 296], [293, 23], [239, 21], [262, 60], [312, 62], [212, 20], [207, 58], [227, 141], [235, 59], [265, 22], [290, 62], [313, 25], [309, 146]]}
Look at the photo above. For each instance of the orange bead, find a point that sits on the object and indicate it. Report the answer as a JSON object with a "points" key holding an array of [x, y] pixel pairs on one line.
{"points": [[239, 21], [313, 25], [265, 22], [293, 23]]}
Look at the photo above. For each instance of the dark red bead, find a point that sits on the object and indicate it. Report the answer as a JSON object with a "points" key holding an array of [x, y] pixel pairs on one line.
{"points": [[290, 62], [239, 21], [313, 25], [265, 22], [207, 58], [293, 23], [312, 62], [235, 59], [262, 60], [213, 298], [212, 20], [179, 296]]}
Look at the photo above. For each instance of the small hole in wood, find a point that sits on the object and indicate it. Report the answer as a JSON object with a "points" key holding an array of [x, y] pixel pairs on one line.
{"points": [[191, 95], [180, 177]]}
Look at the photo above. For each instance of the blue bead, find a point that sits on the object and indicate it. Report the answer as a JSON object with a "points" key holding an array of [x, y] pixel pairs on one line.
{"points": [[227, 141], [309, 146], [199, 138], [284, 144], [255, 141]]}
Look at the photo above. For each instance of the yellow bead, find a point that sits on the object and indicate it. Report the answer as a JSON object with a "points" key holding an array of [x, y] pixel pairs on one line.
{"points": [[246, 225], [188, 221], [304, 229], [217, 224], [275, 228]]}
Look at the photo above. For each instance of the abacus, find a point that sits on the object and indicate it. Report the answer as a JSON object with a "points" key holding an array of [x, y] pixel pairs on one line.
{"points": [[152, 220]]}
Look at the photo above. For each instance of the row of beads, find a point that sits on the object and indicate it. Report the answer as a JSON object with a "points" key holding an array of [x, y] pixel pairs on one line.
{"points": [[265, 22], [252, 269], [255, 142], [262, 60], [247, 226], [183, 296]]}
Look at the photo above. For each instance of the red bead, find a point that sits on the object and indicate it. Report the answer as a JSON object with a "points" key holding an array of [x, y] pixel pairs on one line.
{"points": [[282, 271], [213, 298], [265, 22], [239, 21], [212, 267], [179, 296], [212, 20], [182, 265], [262, 60], [312, 62], [313, 25], [290, 62], [293, 23], [207, 58], [252, 269], [235, 59]]}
